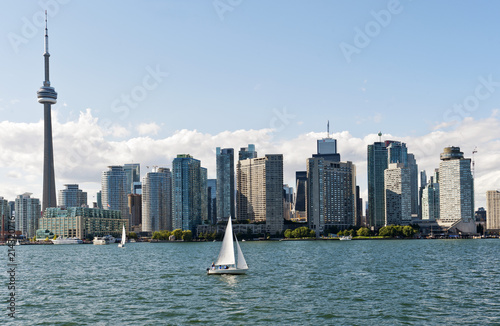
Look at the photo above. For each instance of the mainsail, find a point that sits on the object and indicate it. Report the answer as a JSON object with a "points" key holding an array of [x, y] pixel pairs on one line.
{"points": [[226, 254]]}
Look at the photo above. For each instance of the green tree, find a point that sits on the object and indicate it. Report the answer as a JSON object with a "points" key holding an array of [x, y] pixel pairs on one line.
{"points": [[302, 232], [132, 235], [187, 235], [408, 231], [312, 234], [288, 233], [55, 237], [340, 233], [363, 232], [156, 235], [47, 239], [177, 234]]}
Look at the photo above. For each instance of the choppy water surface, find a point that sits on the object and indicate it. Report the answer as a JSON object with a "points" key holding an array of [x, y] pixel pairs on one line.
{"points": [[379, 282]]}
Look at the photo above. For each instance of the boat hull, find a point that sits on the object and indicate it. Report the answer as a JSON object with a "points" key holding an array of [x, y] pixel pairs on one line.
{"points": [[229, 271]]}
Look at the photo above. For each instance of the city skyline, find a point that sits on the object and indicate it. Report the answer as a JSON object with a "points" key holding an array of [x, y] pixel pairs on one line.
{"points": [[289, 104]]}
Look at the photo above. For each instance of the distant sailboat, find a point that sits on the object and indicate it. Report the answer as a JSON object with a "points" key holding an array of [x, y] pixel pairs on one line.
{"points": [[124, 238], [226, 262]]}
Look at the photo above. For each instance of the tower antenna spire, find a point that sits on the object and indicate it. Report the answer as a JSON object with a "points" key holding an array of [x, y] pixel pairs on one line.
{"points": [[328, 129]]}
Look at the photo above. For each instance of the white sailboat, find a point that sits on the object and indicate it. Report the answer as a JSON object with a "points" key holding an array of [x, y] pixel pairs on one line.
{"points": [[227, 263], [124, 238]]}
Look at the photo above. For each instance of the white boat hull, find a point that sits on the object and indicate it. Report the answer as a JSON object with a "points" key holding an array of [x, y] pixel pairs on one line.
{"points": [[229, 271]]}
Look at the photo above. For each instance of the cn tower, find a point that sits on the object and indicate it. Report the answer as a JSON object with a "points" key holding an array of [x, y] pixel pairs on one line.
{"points": [[47, 96]]}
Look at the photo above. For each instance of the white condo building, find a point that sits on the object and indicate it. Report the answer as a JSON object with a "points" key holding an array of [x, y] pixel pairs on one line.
{"points": [[397, 185], [456, 186]]}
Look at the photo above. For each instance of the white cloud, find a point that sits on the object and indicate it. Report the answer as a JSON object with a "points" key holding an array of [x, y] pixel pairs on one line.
{"points": [[83, 151], [148, 128]]}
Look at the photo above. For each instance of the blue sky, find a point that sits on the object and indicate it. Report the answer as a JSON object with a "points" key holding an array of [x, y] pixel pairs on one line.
{"points": [[242, 66]]}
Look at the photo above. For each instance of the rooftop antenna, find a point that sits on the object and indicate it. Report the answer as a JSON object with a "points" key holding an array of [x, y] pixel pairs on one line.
{"points": [[473, 167], [328, 129]]}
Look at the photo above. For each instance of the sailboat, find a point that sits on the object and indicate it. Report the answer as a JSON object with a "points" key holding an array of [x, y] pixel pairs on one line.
{"points": [[124, 238], [226, 262]]}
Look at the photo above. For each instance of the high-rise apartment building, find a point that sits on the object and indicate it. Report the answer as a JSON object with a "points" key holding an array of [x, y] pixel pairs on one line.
{"points": [[135, 211], [114, 190], [225, 183], [331, 194], [260, 191], [189, 193], [71, 196], [493, 210], [397, 194], [377, 163], [133, 173], [423, 183], [430, 200], [396, 152], [157, 201], [456, 186], [27, 212]]}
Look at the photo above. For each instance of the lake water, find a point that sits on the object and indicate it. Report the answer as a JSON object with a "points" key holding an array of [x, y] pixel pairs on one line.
{"points": [[378, 282]]}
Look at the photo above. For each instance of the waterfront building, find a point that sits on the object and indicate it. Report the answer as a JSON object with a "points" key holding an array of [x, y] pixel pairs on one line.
{"points": [[414, 192], [430, 200], [189, 186], [423, 183], [47, 96], [225, 183], [359, 209], [331, 194], [27, 212], [115, 190], [82, 222], [212, 201], [288, 205], [135, 211], [493, 210], [157, 201], [99, 199], [133, 174], [71, 196], [456, 187], [300, 195], [5, 214], [397, 194], [377, 163], [260, 191], [247, 152]]}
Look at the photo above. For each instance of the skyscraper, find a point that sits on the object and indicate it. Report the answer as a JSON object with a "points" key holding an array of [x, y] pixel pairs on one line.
{"points": [[27, 214], [114, 190], [225, 183], [414, 193], [157, 201], [188, 190], [71, 196], [212, 200], [493, 210], [47, 96], [397, 194], [260, 191], [430, 200], [247, 152], [300, 194], [331, 189], [456, 187], [133, 173], [377, 163]]}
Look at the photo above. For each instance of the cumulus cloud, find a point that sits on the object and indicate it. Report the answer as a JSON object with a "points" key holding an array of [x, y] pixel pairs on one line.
{"points": [[83, 150], [148, 128]]}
